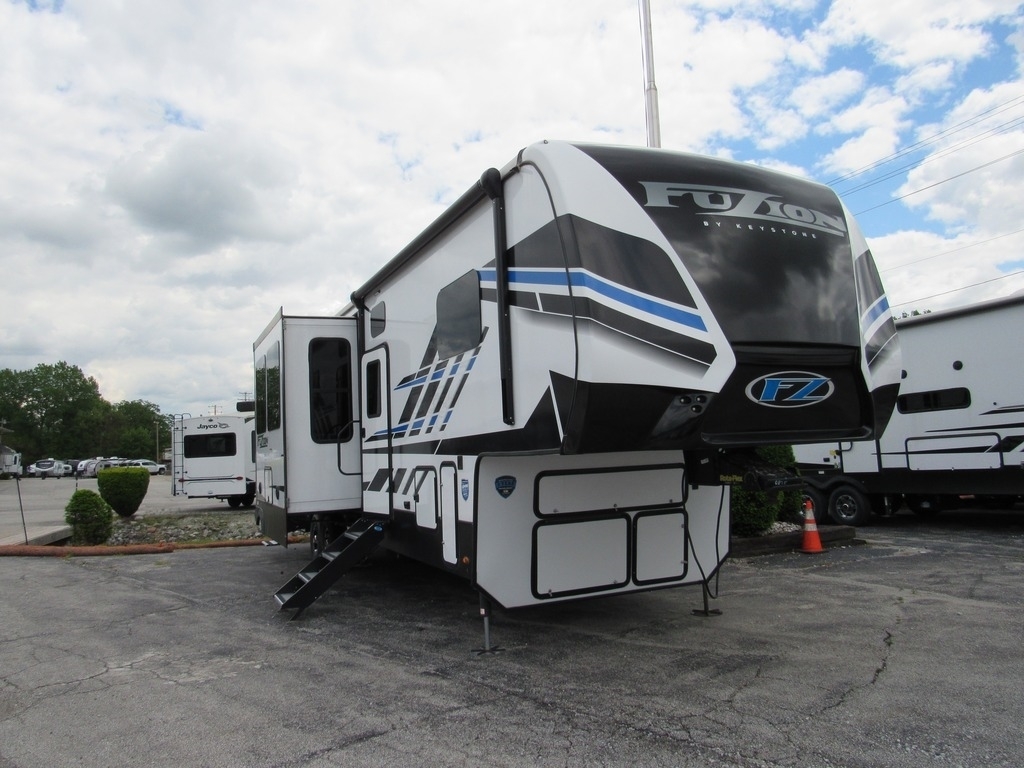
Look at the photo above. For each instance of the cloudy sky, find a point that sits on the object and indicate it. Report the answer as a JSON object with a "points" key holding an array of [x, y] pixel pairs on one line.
{"points": [[175, 172]]}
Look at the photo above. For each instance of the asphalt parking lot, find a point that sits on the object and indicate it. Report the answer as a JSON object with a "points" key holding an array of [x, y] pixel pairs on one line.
{"points": [[903, 651]]}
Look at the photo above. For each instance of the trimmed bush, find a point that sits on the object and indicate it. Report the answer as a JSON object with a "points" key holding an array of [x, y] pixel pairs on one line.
{"points": [[90, 517], [123, 488], [754, 512]]}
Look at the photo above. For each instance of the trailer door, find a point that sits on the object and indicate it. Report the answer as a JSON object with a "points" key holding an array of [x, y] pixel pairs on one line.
{"points": [[376, 432]]}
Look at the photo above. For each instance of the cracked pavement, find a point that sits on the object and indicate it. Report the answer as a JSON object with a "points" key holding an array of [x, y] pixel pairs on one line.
{"points": [[902, 652]]}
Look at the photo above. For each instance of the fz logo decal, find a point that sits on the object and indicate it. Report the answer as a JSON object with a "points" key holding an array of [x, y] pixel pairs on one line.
{"points": [[790, 389]]}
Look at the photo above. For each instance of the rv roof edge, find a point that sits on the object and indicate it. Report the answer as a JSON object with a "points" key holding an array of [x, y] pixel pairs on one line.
{"points": [[469, 198]]}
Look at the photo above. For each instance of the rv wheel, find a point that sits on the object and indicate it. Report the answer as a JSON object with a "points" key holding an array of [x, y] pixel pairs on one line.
{"points": [[317, 537], [849, 506]]}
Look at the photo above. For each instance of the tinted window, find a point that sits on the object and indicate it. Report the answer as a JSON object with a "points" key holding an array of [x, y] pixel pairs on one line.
{"points": [[273, 385], [378, 319], [261, 395], [936, 400], [769, 252], [330, 392], [373, 399], [458, 316], [204, 446]]}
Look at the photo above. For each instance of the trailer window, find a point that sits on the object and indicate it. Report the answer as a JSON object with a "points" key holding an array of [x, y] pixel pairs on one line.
{"points": [[373, 398], [458, 316], [378, 319], [330, 390], [207, 446], [273, 385], [261, 395], [936, 400]]}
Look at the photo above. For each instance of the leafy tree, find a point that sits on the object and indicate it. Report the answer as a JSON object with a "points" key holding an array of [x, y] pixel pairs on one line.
{"points": [[56, 410], [138, 422]]}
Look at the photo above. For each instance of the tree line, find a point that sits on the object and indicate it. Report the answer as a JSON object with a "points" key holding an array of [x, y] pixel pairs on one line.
{"points": [[57, 411]]}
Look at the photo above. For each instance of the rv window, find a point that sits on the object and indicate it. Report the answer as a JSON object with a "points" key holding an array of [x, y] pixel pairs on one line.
{"points": [[458, 316], [936, 400], [373, 398], [330, 391], [274, 387], [205, 446], [261, 395], [378, 319]]}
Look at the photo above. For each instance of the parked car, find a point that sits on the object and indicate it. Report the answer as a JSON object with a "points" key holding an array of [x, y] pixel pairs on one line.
{"points": [[152, 466]]}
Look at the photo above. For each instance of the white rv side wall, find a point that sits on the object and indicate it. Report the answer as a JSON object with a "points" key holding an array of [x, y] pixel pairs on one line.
{"points": [[596, 540], [974, 348], [314, 481]]}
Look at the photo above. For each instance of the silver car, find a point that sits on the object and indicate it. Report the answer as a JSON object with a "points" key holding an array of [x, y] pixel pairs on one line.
{"points": [[152, 466]]}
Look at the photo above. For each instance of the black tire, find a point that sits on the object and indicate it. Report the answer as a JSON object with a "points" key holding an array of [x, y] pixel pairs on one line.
{"points": [[234, 501], [848, 505], [317, 537]]}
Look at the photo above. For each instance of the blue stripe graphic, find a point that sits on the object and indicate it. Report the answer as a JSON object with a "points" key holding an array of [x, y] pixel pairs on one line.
{"points": [[523, 279]]}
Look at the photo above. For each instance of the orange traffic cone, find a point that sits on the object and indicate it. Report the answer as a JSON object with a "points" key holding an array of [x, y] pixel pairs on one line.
{"points": [[812, 541]]}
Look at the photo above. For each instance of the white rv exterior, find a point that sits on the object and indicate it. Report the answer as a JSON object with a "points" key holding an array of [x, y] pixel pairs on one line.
{"points": [[213, 457], [549, 391], [308, 473], [958, 427], [10, 461]]}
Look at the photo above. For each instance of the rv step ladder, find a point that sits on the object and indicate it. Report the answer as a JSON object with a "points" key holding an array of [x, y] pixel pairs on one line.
{"points": [[342, 554]]}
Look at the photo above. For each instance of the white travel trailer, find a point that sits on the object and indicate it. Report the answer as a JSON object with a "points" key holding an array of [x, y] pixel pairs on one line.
{"points": [[549, 391], [213, 457], [958, 427]]}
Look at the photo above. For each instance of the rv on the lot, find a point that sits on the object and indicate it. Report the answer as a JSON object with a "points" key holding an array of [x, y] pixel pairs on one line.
{"points": [[551, 389], [10, 461], [957, 434], [213, 457]]}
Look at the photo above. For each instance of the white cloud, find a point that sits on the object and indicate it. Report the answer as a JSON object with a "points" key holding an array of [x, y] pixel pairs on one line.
{"points": [[176, 172]]}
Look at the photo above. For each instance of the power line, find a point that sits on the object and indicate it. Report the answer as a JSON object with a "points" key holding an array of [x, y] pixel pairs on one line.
{"points": [[943, 181], [1002, 107], [960, 145], [954, 250], [962, 288]]}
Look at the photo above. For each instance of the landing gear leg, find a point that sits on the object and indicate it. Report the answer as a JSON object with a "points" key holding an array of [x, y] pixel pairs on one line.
{"points": [[708, 611], [485, 614]]}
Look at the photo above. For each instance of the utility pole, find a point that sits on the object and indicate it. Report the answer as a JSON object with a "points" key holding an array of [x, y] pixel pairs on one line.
{"points": [[650, 89]]}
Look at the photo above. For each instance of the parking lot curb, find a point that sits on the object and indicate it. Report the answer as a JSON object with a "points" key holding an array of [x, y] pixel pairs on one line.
{"points": [[752, 546], [100, 550]]}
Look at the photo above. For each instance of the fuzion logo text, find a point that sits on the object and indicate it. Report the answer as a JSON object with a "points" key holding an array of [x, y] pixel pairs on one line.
{"points": [[743, 204]]}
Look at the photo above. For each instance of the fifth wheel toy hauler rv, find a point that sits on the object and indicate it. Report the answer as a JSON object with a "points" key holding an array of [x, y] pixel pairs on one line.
{"points": [[213, 457], [549, 391], [958, 427]]}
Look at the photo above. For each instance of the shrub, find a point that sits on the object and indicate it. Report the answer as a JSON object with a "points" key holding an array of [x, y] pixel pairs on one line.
{"points": [[123, 488], [754, 512], [90, 517]]}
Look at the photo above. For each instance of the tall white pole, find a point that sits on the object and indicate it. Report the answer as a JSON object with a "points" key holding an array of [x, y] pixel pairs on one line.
{"points": [[650, 89]]}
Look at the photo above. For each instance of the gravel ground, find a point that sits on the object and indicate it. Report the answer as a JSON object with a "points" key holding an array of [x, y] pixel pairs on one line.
{"points": [[207, 526]]}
